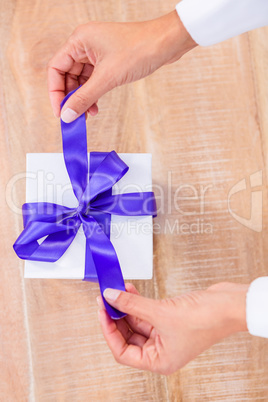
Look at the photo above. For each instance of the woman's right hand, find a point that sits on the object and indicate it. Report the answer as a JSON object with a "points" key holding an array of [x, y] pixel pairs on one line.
{"points": [[101, 56], [164, 335]]}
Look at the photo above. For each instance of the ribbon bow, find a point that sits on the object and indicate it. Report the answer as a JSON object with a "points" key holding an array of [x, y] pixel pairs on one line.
{"points": [[92, 186]]}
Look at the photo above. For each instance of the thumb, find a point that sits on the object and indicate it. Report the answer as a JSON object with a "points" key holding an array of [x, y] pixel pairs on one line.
{"points": [[84, 97], [133, 304]]}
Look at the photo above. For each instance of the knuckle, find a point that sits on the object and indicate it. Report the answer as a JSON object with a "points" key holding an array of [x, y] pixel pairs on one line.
{"points": [[81, 100], [81, 31], [78, 30], [126, 301], [71, 44], [51, 62]]}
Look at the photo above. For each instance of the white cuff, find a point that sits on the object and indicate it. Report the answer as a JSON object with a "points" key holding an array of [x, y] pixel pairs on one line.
{"points": [[257, 307], [213, 21]]}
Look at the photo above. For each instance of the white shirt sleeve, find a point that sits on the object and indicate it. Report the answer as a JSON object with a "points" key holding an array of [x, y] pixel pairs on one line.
{"points": [[257, 307], [213, 21]]}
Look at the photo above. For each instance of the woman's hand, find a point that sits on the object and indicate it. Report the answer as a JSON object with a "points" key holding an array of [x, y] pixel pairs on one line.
{"points": [[101, 55], [163, 335]]}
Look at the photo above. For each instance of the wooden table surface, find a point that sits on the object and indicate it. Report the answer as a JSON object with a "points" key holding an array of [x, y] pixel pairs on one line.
{"points": [[205, 120]]}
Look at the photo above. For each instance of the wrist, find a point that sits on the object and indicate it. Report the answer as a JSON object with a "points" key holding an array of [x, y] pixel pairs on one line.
{"points": [[173, 38], [232, 306], [235, 313]]}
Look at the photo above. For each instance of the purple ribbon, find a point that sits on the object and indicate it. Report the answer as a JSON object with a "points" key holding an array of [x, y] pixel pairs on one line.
{"points": [[92, 186]]}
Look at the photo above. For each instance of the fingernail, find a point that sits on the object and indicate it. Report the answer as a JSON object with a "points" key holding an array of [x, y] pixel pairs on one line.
{"points": [[111, 294], [98, 298], [68, 115], [93, 113]]}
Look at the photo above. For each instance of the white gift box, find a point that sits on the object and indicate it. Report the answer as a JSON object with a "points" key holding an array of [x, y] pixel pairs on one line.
{"points": [[47, 180]]}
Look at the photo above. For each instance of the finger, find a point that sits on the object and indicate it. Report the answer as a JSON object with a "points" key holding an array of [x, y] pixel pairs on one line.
{"points": [[137, 339], [58, 66], [93, 110], [82, 80], [85, 96], [136, 324], [56, 89], [71, 82], [85, 73], [123, 326], [72, 77], [100, 302], [132, 304], [130, 355], [130, 337], [131, 288]]}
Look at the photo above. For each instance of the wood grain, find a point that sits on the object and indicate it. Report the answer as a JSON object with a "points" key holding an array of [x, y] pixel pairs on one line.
{"points": [[204, 119]]}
